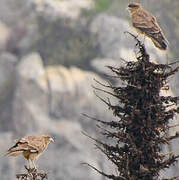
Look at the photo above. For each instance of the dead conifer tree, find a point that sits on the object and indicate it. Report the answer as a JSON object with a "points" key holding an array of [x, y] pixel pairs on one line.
{"points": [[142, 119]]}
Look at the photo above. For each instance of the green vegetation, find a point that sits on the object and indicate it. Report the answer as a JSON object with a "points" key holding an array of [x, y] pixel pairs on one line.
{"points": [[101, 5]]}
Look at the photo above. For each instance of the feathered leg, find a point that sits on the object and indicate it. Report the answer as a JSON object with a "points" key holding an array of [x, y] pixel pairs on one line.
{"points": [[34, 166], [30, 164]]}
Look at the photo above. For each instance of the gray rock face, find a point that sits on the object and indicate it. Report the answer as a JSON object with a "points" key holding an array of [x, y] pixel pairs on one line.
{"points": [[12, 10], [4, 31], [109, 30], [7, 66], [7, 77], [26, 105]]}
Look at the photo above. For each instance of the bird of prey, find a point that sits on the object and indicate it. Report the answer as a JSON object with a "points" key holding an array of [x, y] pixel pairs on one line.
{"points": [[146, 24], [31, 147]]}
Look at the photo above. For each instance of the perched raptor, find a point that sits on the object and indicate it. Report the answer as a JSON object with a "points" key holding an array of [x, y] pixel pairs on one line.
{"points": [[31, 147], [147, 24]]}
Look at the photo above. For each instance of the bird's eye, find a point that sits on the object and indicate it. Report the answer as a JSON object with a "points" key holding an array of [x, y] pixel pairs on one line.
{"points": [[133, 5]]}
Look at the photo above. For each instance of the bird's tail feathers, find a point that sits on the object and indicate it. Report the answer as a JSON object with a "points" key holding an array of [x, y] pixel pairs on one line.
{"points": [[13, 152], [162, 44]]}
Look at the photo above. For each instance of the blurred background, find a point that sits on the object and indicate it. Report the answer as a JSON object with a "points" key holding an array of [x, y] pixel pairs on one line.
{"points": [[50, 53]]}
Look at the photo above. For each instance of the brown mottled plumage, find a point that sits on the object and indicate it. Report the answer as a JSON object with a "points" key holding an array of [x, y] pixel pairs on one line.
{"points": [[31, 147], [147, 24]]}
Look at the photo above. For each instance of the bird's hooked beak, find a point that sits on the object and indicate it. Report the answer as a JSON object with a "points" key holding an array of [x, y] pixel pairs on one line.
{"points": [[51, 139]]}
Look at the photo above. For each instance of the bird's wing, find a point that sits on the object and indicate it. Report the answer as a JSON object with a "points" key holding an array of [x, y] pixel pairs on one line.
{"points": [[36, 142], [21, 146], [146, 23]]}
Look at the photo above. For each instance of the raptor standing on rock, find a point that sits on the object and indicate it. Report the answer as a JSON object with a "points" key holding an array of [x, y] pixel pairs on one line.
{"points": [[31, 147], [147, 24]]}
